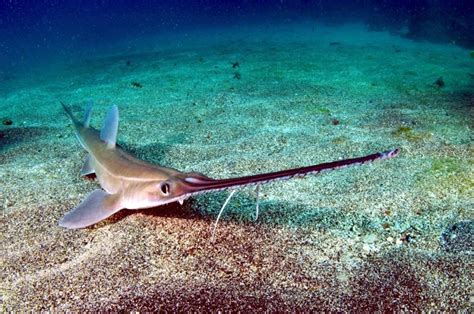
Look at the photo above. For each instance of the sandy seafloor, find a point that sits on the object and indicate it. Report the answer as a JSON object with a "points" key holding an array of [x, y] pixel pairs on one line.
{"points": [[360, 238]]}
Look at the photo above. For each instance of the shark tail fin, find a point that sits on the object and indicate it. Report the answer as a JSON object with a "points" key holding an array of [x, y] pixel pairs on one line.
{"points": [[108, 133], [87, 114], [69, 113]]}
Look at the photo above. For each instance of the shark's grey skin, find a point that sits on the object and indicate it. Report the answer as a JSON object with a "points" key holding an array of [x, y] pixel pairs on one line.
{"points": [[131, 183]]}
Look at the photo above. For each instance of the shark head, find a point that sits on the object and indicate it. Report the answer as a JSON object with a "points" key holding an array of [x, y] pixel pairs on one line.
{"points": [[173, 188]]}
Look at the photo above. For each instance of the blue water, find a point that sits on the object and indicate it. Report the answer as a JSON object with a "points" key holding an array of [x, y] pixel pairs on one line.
{"points": [[38, 33]]}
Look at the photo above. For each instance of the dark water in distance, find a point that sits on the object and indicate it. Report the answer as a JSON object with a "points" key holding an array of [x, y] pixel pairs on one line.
{"points": [[35, 33]]}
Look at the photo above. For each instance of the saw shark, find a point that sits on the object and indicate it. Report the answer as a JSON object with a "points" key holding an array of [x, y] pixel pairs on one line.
{"points": [[130, 183]]}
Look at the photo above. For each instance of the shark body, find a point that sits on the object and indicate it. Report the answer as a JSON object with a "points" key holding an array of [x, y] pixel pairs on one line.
{"points": [[131, 183]]}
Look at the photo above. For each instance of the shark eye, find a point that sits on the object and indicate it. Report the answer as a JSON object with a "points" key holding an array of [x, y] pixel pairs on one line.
{"points": [[165, 188]]}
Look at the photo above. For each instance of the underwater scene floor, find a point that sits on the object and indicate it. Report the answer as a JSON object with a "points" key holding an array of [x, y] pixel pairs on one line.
{"points": [[392, 235]]}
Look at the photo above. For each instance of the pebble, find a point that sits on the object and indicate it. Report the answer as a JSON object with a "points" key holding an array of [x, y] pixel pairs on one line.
{"points": [[7, 121], [369, 238], [459, 237]]}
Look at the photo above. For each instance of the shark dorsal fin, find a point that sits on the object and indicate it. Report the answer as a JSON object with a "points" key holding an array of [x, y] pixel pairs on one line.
{"points": [[109, 130], [87, 114]]}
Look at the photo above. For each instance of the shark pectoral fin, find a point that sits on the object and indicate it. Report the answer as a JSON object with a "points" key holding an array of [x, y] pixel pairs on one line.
{"points": [[88, 167], [96, 207]]}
